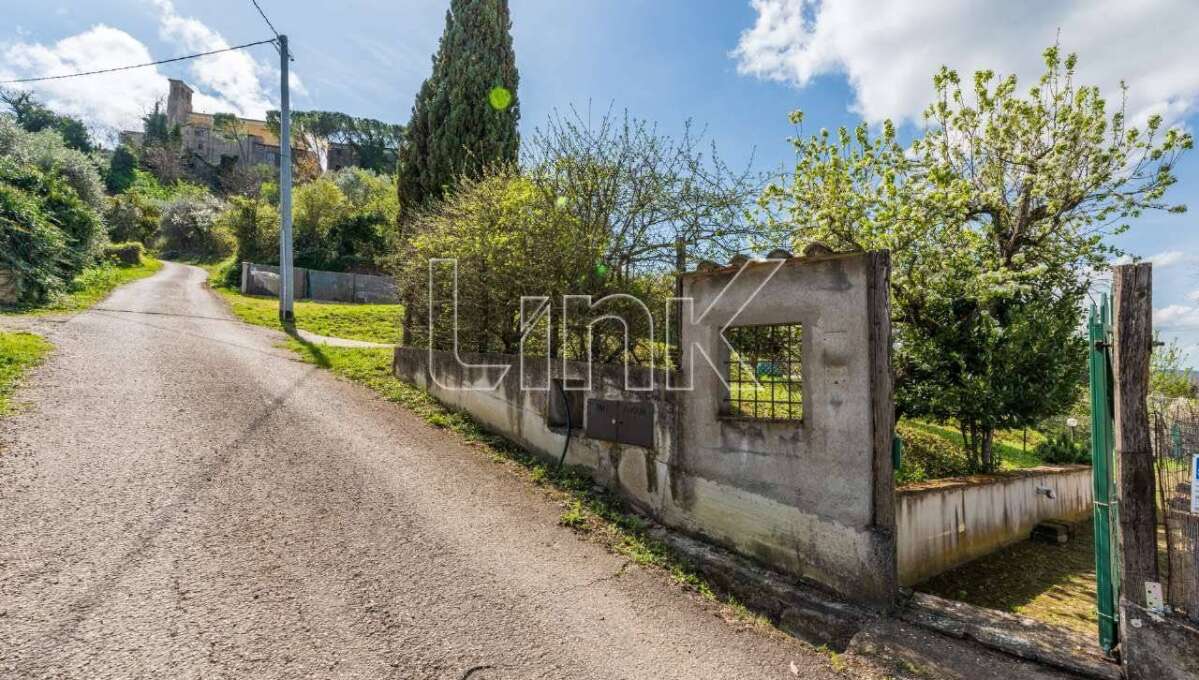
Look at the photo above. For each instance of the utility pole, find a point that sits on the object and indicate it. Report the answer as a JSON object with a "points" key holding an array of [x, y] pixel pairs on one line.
{"points": [[286, 271]]}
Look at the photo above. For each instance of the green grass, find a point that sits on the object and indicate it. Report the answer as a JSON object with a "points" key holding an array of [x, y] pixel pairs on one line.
{"points": [[18, 353], [1048, 582], [371, 323], [1008, 445], [90, 287]]}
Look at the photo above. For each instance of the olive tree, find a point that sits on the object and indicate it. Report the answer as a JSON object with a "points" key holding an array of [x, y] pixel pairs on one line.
{"points": [[997, 218]]}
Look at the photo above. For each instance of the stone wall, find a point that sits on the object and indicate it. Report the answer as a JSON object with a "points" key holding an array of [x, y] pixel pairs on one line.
{"points": [[812, 498], [947, 522], [312, 284]]}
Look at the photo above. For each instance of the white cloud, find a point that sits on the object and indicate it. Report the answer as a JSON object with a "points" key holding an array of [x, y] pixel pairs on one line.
{"points": [[1176, 317], [94, 98], [236, 78], [234, 82], [1193, 296], [889, 50]]}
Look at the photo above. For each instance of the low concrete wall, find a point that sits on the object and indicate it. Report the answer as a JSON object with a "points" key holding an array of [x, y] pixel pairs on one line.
{"points": [[9, 293], [947, 522], [810, 497], [313, 284]]}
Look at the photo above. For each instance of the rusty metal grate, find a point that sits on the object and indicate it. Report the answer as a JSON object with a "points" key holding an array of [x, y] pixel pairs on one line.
{"points": [[765, 372]]}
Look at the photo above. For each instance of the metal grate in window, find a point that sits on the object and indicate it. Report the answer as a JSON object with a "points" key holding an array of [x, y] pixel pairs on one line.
{"points": [[765, 372]]}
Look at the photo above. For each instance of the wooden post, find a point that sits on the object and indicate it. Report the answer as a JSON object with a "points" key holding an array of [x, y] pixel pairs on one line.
{"points": [[882, 403], [1132, 328]]}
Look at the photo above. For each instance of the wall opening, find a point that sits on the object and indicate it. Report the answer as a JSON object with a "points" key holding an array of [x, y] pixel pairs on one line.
{"points": [[764, 371]]}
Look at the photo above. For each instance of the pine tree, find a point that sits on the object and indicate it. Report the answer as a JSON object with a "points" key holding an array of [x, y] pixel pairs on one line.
{"points": [[466, 114]]}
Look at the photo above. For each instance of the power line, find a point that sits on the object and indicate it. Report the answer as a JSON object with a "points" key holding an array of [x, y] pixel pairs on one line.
{"points": [[127, 68], [272, 27], [264, 18]]}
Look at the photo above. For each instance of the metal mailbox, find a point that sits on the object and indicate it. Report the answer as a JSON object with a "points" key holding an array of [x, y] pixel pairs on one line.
{"points": [[626, 422]]}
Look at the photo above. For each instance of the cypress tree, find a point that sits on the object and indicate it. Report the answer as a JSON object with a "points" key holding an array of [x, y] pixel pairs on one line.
{"points": [[466, 113]]}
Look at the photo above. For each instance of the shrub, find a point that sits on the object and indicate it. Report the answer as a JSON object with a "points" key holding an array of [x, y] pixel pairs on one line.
{"points": [[61, 208], [510, 240], [133, 217], [318, 205], [927, 456], [125, 254], [254, 225], [121, 169], [47, 151], [189, 227], [30, 246], [1061, 449]]}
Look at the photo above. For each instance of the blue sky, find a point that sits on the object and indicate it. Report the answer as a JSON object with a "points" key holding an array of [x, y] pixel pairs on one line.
{"points": [[735, 67]]}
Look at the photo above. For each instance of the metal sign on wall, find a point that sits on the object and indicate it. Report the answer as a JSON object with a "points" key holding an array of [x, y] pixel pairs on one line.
{"points": [[626, 422]]}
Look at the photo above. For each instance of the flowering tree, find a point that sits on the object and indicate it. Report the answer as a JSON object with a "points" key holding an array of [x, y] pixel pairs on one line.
{"points": [[996, 218]]}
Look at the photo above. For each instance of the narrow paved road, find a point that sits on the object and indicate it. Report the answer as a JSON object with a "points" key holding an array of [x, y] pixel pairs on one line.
{"points": [[182, 499]]}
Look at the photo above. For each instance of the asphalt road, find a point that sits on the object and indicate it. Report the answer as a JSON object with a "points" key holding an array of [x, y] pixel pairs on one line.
{"points": [[180, 498]]}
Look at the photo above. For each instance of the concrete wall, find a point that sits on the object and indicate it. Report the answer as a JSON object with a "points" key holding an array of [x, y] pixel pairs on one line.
{"points": [[812, 498], [947, 522], [261, 279]]}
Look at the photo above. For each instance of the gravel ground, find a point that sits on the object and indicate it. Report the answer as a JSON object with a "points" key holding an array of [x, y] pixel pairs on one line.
{"points": [[180, 498]]}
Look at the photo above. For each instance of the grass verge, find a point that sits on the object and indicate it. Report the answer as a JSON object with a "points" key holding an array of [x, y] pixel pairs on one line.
{"points": [[371, 323], [90, 287], [588, 510], [1008, 445], [18, 353]]}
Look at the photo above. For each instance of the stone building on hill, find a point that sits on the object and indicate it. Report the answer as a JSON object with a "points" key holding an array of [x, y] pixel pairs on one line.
{"points": [[245, 141]]}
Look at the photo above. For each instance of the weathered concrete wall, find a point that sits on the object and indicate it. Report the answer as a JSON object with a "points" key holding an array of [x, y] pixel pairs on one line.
{"points": [[9, 292], [947, 522], [813, 498], [261, 279]]}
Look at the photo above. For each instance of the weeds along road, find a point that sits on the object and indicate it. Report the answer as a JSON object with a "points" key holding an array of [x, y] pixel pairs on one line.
{"points": [[182, 499]]}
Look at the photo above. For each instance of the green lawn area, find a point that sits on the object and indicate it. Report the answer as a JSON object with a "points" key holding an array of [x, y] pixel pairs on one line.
{"points": [[371, 323], [1050, 583], [1008, 445], [90, 287], [18, 353]]}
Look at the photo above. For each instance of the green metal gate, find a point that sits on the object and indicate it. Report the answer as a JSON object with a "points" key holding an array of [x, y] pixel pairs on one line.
{"points": [[1102, 445]]}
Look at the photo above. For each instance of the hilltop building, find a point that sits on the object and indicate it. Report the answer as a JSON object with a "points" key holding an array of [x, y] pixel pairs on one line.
{"points": [[251, 142]]}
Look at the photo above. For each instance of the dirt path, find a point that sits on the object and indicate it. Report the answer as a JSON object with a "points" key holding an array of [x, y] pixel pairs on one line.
{"points": [[182, 499]]}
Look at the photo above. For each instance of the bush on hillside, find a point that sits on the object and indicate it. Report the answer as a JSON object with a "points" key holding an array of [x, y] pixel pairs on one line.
{"points": [[927, 456], [1061, 449], [133, 217], [189, 227], [47, 151], [30, 246], [254, 224], [60, 206], [121, 168], [125, 254]]}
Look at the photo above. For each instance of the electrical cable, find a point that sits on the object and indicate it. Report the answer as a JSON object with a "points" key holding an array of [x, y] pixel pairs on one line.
{"points": [[127, 68], [263, 15], [569, 425]]}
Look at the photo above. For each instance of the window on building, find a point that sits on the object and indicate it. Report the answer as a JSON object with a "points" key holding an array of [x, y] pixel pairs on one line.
{"points": [[765, 372]]}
